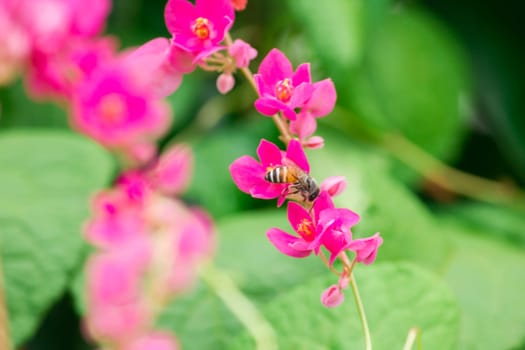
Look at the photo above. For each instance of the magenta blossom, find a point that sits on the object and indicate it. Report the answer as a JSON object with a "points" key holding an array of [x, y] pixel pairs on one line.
{"points": [[199, 28], [326, 226], [280, 88], [115, 108], [248, 174], [305, 225], [366, 248]]}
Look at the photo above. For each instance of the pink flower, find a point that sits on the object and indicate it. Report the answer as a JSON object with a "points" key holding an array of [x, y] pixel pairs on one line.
{"points": [[153, 341], [225, 82], [242, 52], [279, 87], [304, 225], [336, 234], [199, 28], [172, 173], [248, 174], [366, 248], [114, 108], [321, 103], [15, 44], [58, 75]]}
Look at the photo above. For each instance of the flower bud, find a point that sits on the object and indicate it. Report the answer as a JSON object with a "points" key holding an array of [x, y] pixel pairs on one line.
{"points": [[225, 82]]}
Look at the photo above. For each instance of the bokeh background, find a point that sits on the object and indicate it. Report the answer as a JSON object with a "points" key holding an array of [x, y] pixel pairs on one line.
{"points": [[429, 130]]}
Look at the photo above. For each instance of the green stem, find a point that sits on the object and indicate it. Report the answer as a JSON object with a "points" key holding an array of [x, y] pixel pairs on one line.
{"points": [[452, 179], [413, 334], [361, 312], [247, 313]]}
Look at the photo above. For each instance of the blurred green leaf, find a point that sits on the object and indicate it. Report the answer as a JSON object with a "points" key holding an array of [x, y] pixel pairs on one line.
{"points": [[200, 320], [212, 185], [488, 279], [396, 298], [18, 110], [254, 263], [46, 180], [489, 219], [413, 80], [335, 30]]}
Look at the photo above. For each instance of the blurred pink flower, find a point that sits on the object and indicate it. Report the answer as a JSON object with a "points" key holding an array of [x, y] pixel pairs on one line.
{"points": [[199, 28], [280, 88], [242, 52], [366, 248], [172, 173], [15, 44], [161, 65], [57, 75], [114, 280], [114, 108], [153, 341], [248, 174]]}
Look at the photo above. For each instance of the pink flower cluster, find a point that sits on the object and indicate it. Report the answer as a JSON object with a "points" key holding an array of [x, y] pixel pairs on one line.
{"points": [[149, 248], [317, 223], [114, 98]]}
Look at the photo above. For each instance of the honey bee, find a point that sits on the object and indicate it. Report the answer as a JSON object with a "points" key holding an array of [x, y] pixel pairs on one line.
{"points": [[300, 182]]}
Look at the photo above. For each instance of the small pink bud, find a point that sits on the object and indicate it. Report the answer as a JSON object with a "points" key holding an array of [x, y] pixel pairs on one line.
{"points": [[225, 82], [332, 296], [314, 142], [242, 52], [334, 185], [239, 5], [343, 282]]}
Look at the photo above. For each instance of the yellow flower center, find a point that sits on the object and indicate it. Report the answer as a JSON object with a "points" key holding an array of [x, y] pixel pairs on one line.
{"points": [[111, 108], [305, 227], [201, 28], [284, 89]]}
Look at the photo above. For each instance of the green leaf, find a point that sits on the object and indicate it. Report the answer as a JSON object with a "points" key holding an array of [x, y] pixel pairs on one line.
{"points": [[413, 81], [335, 30], [46, 180], [396, 297], [487, 277], [385, 205], [200, 320], [257, 267]]}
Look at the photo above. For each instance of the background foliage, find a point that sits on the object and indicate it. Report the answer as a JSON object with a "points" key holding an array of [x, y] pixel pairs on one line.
{"points": [[447, 76]]}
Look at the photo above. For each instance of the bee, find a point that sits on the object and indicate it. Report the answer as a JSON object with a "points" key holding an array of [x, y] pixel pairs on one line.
{"points": [[300, 182]]}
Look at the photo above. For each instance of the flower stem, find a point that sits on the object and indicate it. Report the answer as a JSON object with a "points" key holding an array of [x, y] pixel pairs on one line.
{"points": [[5, 341], [245, 311], [452, 179], [413, 334], [361, 312]]}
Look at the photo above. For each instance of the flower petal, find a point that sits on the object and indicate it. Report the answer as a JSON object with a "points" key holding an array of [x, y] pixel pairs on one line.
{"points": [[179, 14], [246, 172], [288, 244], [296, 154], [366, 248], [269, 106], [332, 296], [298, 216], [275, 67], [269, 154], [302, 74], [322, 100]]}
